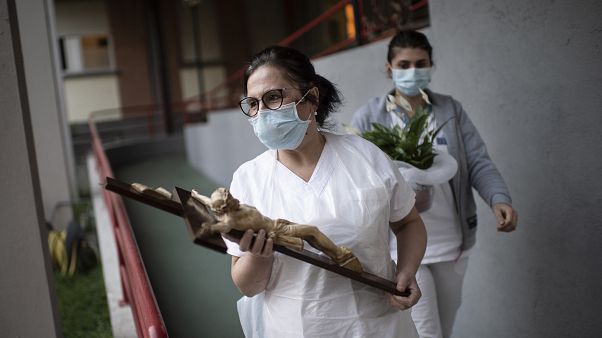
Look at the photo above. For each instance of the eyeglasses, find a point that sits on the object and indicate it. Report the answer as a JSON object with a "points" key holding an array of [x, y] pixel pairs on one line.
{"points": [[272, 99]]}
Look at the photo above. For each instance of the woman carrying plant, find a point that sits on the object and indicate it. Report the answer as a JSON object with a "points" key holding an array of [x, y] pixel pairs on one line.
{"points": [[452, 219]]}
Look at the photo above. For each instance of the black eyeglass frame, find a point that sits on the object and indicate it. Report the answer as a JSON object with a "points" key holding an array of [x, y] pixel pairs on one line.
{"points": [[279, 90]]}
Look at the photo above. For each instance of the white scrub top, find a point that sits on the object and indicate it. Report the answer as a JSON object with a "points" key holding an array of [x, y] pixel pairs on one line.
{"points": [[353, 194], [444, 233]]}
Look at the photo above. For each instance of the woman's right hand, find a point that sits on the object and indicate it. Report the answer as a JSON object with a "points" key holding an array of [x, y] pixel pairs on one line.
{"points": [[251, 272], [259, 247]]}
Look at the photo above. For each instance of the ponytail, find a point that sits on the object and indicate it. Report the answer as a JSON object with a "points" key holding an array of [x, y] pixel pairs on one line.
{"points": [[330, 99]]}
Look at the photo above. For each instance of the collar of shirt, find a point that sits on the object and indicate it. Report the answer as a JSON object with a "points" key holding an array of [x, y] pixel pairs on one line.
{"points": [[399, 106]]}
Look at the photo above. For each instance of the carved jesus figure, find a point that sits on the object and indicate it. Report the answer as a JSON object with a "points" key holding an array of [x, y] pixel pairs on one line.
{"points": [[233, 215]]}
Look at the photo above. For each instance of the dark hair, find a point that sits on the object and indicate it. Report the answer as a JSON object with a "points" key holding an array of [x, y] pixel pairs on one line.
{"points": [[409, 39], [299, 70]]}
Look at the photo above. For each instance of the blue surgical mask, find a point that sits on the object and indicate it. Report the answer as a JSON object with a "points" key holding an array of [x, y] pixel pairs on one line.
{"points": [[281, 128], [410, 81]]}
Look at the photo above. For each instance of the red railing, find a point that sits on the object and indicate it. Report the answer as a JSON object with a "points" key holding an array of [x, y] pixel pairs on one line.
{"points": [[136, 287]]}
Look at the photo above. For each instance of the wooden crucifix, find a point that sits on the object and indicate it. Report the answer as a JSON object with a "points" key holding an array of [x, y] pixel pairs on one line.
{"points": [[195, 215]]}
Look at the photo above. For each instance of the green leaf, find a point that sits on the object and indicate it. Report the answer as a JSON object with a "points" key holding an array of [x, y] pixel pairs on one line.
{"points": [[412, 144]]}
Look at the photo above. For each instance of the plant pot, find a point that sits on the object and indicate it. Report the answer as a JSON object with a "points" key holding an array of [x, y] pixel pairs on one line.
{"points": [[422, 180]]}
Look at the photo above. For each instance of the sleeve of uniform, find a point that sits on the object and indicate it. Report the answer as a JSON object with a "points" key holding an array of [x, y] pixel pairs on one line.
{"points": [[483, 173], [237, 189], [361, 118], [403, 197]]}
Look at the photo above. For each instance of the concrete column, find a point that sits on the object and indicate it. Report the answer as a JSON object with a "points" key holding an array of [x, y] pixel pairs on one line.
{"points": [[26, 286], [51, 133]]}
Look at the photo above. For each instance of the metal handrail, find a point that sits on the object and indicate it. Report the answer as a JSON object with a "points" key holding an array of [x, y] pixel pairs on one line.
{"points": [[136, 287]]}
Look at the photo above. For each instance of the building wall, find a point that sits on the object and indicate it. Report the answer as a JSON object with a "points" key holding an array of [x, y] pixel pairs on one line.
{"points": [[212, 77], [81, 17], [208, 30], [273, 11], [212, 72], [529, 75], [51, 135], [359, 74], [86, 93], [26, 286]]}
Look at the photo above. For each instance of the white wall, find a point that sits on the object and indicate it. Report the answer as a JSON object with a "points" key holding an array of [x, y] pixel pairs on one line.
{"points": [[217, 148], [359, 73], [86, 94], [529, 75]]}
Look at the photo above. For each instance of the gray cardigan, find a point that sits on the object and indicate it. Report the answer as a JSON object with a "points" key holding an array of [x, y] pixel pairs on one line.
{"points": [[475, 168]]}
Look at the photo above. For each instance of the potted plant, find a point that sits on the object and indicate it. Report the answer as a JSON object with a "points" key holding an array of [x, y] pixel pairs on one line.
{"points": [[412, 149]]}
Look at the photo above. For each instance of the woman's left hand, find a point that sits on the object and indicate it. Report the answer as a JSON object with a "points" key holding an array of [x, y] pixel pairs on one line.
{"points": [[406, 282], [505, 216]]}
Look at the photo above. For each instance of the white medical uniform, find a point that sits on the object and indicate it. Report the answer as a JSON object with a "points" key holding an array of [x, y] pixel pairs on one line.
{"points": [[444, 234], [353, 194], [443, 267]]}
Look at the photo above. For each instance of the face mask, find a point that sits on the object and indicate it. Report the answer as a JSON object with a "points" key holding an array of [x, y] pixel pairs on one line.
{"points": [[410, 81], [280, 129]]}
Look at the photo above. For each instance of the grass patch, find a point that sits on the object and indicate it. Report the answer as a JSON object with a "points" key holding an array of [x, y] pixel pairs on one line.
{"points": [[83, 305]]}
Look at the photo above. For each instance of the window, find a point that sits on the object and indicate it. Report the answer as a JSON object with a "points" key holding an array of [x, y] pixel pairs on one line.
{"points": [[81, 54]]}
